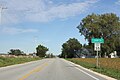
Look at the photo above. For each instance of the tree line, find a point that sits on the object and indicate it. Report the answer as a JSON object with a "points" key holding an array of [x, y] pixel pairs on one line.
{"points": [[40, 51]]}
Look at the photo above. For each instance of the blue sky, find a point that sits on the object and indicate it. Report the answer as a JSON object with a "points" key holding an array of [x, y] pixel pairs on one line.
{"points": [[27, 23]]}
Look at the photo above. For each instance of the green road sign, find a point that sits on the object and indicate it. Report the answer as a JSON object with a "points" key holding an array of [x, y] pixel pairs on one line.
{"points": [[97, 40]]}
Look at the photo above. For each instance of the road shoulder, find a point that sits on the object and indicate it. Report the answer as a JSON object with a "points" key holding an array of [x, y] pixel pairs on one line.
{"points": [[101, 75], [15, 65]]}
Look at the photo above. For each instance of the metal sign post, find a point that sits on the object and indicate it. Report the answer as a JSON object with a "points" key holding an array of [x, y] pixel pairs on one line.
{"points": [[97, 42], [97, 48], [97, 60]]}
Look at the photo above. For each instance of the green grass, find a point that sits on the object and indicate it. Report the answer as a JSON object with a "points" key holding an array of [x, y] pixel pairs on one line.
{"points": [[103, 70], [12, 61]]}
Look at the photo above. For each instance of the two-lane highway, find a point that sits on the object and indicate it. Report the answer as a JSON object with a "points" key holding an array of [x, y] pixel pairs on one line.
{"points": [[47, 69]]}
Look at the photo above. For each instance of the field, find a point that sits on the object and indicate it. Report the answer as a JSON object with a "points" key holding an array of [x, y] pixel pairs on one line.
{"points": [[6, 61], [107, 66]]}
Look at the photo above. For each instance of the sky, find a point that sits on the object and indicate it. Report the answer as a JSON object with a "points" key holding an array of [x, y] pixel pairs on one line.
{"points": [[25, 24]]}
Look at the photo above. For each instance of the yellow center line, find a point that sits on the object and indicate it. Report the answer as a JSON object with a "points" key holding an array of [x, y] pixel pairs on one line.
{"points": [[37, 69]]}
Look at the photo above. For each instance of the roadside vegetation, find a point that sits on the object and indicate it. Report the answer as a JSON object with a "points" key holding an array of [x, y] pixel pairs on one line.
{"points": [[102, 26], [6, 61], [16, 56], [107, 66]]}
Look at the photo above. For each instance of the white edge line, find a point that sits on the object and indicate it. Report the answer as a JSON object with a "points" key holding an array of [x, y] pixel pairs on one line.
{"points": [[87, 74], [104, 76], [83, 71]]}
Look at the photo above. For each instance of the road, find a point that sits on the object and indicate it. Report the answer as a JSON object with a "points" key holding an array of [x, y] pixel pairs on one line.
{"points": [[47, 69]]}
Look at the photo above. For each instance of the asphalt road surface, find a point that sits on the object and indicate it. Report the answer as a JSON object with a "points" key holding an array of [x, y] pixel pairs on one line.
{"points": [[47, 69]]}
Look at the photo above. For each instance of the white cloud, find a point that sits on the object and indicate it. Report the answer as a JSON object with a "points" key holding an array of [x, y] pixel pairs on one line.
{"points": [[42, 10], [118, 2], [11, 30]]}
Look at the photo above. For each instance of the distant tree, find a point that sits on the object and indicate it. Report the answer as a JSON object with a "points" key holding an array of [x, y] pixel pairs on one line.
{"points": [[70, 48], [50, 55], [105, 26], [16, 52], [89, 49], [41, 50]]}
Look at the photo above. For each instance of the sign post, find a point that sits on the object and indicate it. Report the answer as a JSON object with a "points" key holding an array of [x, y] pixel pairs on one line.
{"points": [[97, 64], [97, 47]]}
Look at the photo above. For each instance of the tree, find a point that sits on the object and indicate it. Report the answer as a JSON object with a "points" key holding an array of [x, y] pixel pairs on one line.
{"points": [[118, 49], [105, 26], [50, 55], [70, 48], [41, 50], [16, 52], [89, 49]]}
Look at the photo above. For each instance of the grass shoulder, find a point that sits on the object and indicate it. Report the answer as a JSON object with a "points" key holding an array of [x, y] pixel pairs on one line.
{"points": [[107, 66], [6, 61]]}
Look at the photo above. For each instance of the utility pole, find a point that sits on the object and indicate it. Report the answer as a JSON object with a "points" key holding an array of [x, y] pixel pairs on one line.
{"points": [[1, 10]]}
